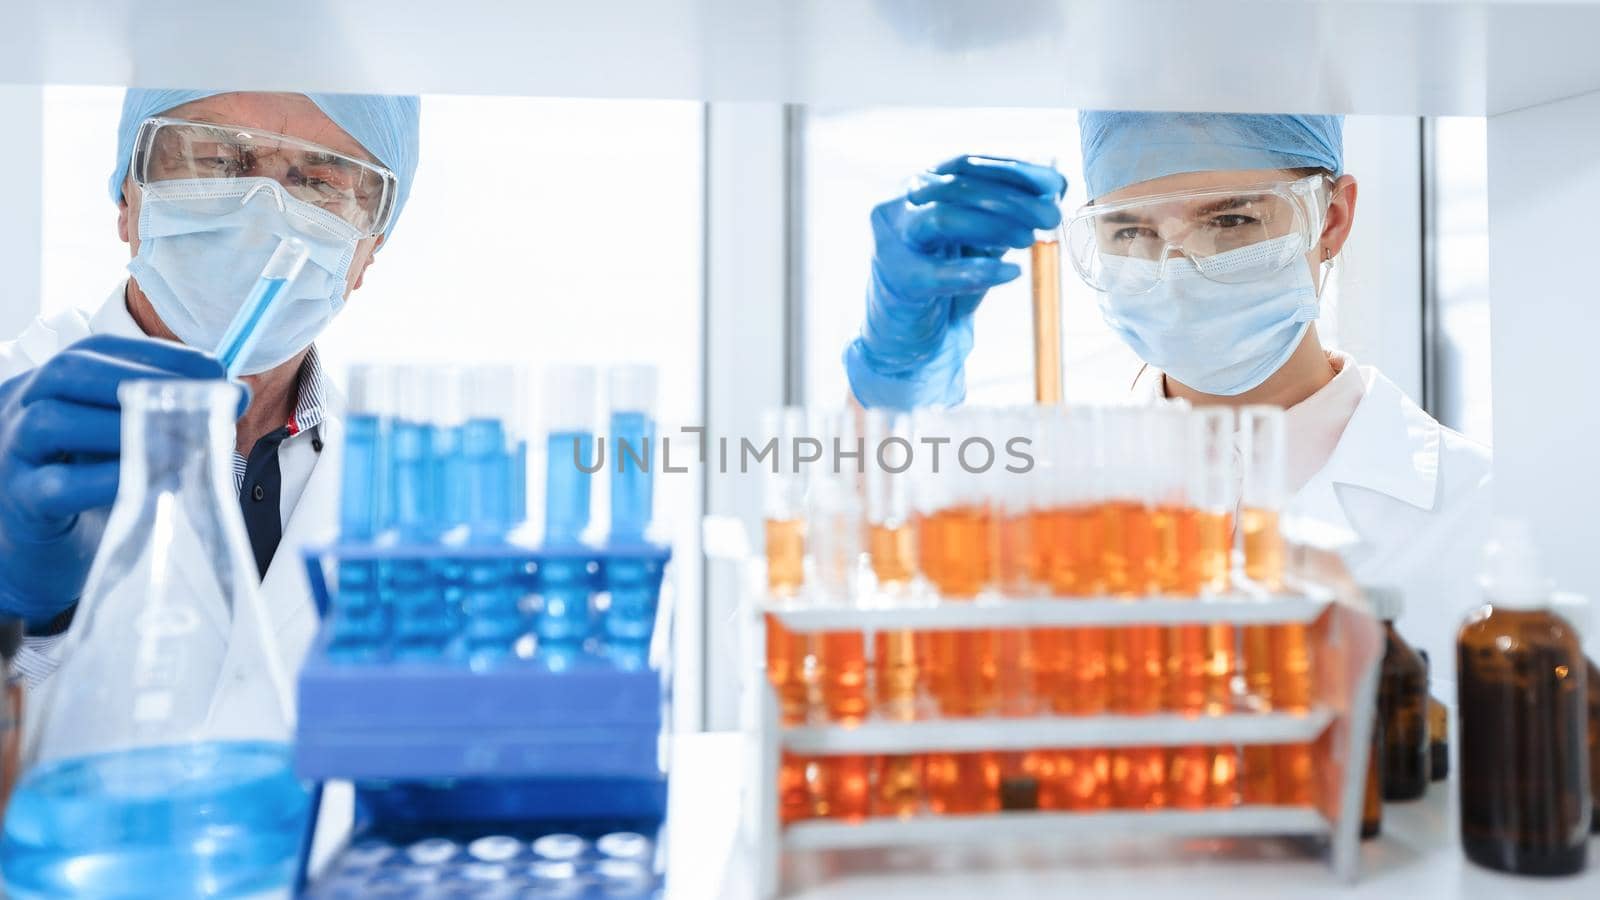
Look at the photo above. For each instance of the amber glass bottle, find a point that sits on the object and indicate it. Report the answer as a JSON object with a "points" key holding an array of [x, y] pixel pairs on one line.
{"points": [[1523, 704], [1402, 704], [1372, 803]]}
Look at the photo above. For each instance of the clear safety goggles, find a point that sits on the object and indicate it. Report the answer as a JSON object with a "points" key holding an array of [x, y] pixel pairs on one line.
{"points": [[357, 191], [1125, 247]]}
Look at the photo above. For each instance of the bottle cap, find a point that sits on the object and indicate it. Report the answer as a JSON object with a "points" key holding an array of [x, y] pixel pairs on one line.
{"points": [[1512, 575], [1388, 603]]}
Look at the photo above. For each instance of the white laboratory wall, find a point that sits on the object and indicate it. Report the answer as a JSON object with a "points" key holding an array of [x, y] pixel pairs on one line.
{"points": [[1544, 182], [858, 157], [538, 231], [1459, 229], [22, 108]]}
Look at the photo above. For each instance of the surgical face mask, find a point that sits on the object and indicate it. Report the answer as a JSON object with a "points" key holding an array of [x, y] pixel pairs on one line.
{"points": [[202, 244], [1218, 338]]}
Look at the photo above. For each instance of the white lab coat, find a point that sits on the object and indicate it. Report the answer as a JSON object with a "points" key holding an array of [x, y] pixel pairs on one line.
{"points": [[285, 591], [1419, 498], [1416, 497]]}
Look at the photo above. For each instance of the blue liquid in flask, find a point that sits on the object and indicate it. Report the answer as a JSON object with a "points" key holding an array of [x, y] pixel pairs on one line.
{"points": [[224, 818]]}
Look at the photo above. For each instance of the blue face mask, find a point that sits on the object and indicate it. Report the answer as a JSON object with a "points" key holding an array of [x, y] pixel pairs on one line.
{"points": [[1220, 339], [202, 244]]}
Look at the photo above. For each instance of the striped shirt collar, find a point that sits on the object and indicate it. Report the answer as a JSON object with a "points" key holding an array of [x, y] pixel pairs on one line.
{"points": [[310, 408]]}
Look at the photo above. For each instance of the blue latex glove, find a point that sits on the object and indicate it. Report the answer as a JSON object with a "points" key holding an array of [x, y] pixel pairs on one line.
{"points": [[938, 250], [60, 440]]}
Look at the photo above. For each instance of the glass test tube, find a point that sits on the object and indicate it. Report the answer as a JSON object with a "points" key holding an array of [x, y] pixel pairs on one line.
{"points": [[1136, 468], [1277, 658], [788, 655], [892, 550], [632, 393], [360, 621], [956, 552], [422, 622], [1045, 259], [836, 529], [1202, 667], [566, 573], [569, 397], [482, 483]]}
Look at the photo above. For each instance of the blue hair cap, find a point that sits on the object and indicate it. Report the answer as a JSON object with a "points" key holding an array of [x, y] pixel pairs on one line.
{"points": [[389, 127], [1123, 148]]}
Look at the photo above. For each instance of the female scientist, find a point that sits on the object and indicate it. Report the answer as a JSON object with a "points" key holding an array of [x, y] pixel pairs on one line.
{"points": [[1208, 238]]}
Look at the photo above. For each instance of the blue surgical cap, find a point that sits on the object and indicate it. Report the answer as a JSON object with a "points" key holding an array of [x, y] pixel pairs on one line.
{"points": [[1123, 148], [387, 126]]}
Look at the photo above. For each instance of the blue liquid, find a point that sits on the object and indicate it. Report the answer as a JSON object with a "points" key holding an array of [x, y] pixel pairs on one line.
{"points": [[358, 498], [566, 485], [181, 821], [632, 437], [487, 478], [565, 584], [447, 477], [635, 586], [244, 331], [359, 622], [422, 621], [519, 483]]}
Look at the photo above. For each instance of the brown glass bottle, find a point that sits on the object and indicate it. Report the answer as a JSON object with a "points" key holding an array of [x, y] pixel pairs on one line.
{"points": [[1403, 705], [1594, 745], [1372, 803], [1522, 702], [1438, 733]]}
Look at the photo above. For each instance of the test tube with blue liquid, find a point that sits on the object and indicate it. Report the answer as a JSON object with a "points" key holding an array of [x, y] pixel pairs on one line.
{"points": [[359, 620], [260, 307], [632, 570], [422, 621], [493, 620], [566, 567]]}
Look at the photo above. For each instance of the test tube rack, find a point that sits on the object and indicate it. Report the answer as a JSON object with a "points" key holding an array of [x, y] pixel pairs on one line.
{"points": [[1347, 649], [441, 743]]}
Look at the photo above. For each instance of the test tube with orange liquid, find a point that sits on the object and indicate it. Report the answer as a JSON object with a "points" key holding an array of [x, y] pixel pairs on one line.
{"points": [[891, 549], [1136, 466], [956, 550], [1277, 659], [1072, 663], [1197, 529], [837, 527], [788, 655]]}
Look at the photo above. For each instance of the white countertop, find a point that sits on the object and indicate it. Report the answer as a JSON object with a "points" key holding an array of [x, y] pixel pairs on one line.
{"points": [[1417, 857]]}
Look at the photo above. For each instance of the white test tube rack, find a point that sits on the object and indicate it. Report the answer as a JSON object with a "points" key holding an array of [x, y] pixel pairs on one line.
{"points": [[1347, 653]]}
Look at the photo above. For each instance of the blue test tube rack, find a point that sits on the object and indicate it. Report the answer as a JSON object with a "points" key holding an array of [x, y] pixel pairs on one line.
{"points": [[565, 738]]}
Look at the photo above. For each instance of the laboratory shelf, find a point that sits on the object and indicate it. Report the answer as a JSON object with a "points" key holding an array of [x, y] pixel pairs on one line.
{"points": [[1053, 612], [958, 735], [1238, 821]]}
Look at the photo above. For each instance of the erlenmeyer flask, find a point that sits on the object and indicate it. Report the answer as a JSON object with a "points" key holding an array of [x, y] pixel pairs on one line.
{"points": [[162, 762]]}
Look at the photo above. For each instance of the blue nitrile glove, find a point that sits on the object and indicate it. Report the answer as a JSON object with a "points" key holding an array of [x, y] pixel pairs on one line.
{"points": [[60, 439], [938, 250]]}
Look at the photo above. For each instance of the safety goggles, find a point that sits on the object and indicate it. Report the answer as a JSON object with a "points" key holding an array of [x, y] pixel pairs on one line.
{"points": [[1231, 235], [359, 192]]}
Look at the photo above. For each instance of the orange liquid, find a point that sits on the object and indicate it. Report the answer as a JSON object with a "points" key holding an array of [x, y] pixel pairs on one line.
{"points": [[1258, 769], [1052, 667], [1215, 550], [1258, 780], [961, 783], [1225, 777], [1263, 547], [895, 659], [1020, 559], [1089, 779], [1133, 560], [1291, 675], [843, 789], [794, 794], [841, 675], [1073, 541], [899, 786], [1139, 777], [965, 674], [787, 653], [1016, 672], [893, 553], [786, 552], [955, 550]]}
